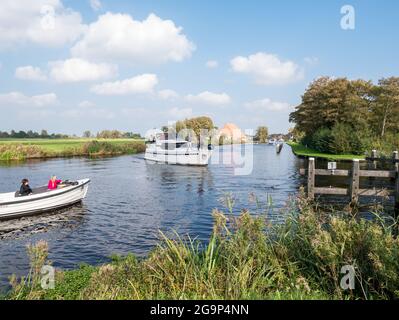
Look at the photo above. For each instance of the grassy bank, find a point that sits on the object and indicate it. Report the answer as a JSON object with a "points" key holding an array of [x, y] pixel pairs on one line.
{"points": [[246, 258], [16, 149], [301, 150]]}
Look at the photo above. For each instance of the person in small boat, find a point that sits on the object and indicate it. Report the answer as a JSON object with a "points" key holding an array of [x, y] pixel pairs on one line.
{"points": [[25, 189], [54, 183]]}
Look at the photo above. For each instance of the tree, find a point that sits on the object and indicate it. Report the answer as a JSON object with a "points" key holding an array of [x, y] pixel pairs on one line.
{"points": [[87, 134], [262, 134], [386, 106], [195, 125], [44, 134]]}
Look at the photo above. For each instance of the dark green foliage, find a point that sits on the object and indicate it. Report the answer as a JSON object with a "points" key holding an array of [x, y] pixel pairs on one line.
{"points": [[359, 114]]}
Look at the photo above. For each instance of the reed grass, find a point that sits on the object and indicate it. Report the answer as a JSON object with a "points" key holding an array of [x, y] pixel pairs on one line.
{"points": [[245, 258]]}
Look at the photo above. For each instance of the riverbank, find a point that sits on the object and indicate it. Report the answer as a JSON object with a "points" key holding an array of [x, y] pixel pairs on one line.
{"points": [[245, 258], [22, 149], [302, 151]]}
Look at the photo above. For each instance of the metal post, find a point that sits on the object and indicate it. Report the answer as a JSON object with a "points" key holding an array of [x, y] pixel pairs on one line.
{"points": [[311, 178]]}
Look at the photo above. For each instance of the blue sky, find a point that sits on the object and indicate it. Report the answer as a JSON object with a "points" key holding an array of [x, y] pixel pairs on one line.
{"points": [[68, 65]]}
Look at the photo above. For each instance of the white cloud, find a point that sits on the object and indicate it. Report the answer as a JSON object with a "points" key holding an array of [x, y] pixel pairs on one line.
{"points": [[168, 94], [144, 83], [211, 64], [210, 98], [44, 22], [267, 105], [267, 69], [120, 37], [30, 73], [180, 113], [18, 98], [75, 70], [95, 5]]}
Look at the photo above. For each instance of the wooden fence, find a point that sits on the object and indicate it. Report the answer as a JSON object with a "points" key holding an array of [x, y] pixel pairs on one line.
{"points": [[353, 190]]}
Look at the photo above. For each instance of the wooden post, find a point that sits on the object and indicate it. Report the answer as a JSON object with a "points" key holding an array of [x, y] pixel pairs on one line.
{"points": [[396, 158], [374, 155], [311, 178], [355, 181], [373, 165]]}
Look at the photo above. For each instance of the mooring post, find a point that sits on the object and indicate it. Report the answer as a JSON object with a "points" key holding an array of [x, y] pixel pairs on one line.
{"points": [[311, 178], [396, 159], [374, 155], [355, 181], [373, 165]]}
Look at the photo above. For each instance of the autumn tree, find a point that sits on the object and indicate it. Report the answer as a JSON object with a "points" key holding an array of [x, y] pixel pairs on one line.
{"points": [[262, 134], [385, 109]]}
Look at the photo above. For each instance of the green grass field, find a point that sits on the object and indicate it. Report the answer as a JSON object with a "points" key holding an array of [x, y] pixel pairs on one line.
{"points": [[60, 145], [301, 150], [21, 149]]}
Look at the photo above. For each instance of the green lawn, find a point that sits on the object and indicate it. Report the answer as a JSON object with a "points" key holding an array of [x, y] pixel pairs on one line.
{"points": [[300, 150], [60, 145]]}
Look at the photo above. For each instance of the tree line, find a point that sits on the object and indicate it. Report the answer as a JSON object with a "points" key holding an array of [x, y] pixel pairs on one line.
{"points": [[31, 135], [348, 116], [104, 134]]}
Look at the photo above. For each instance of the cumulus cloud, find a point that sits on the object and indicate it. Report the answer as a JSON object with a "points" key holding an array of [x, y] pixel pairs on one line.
{"points": [[210, 98], [120, 37], [75, 70], [267, 69], [211, 64], [18, 98], [144, 83], [180, 113], [168, 94], [30, 73], [95, 5], [267, 105], [44, 22]]}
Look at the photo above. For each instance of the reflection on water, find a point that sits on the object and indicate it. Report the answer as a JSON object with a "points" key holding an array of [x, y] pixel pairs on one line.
{"points": [[130, 199]]}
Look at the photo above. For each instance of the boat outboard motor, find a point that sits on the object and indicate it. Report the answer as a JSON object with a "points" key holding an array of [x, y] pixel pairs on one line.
{"points": [[71, 183]]}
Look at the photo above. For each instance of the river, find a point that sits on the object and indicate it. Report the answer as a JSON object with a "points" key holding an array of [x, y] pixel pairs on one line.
{"points": [[130, 200]]}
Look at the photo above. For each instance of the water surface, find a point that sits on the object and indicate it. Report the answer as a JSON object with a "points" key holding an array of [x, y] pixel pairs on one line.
{"points": [[129, 200]]}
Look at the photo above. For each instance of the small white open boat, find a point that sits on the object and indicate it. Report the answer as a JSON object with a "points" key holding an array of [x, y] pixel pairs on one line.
{"points": [[13, 205]]}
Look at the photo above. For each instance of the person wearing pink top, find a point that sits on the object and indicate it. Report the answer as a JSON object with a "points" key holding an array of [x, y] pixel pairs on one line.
{"points": [[53, 183]]}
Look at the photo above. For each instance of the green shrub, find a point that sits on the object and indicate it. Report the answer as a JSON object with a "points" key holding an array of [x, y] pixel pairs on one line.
{"points": [[341, 139], [346, 140], [321, 140]]}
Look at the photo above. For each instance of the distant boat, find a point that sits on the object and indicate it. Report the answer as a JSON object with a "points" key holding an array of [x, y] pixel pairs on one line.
{"points": [[272, 141], [279, 147], [13, 205], [177, 151]]}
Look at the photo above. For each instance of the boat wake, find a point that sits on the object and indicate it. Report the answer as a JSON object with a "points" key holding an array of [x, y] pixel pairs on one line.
{"points": [[26, 226]]}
